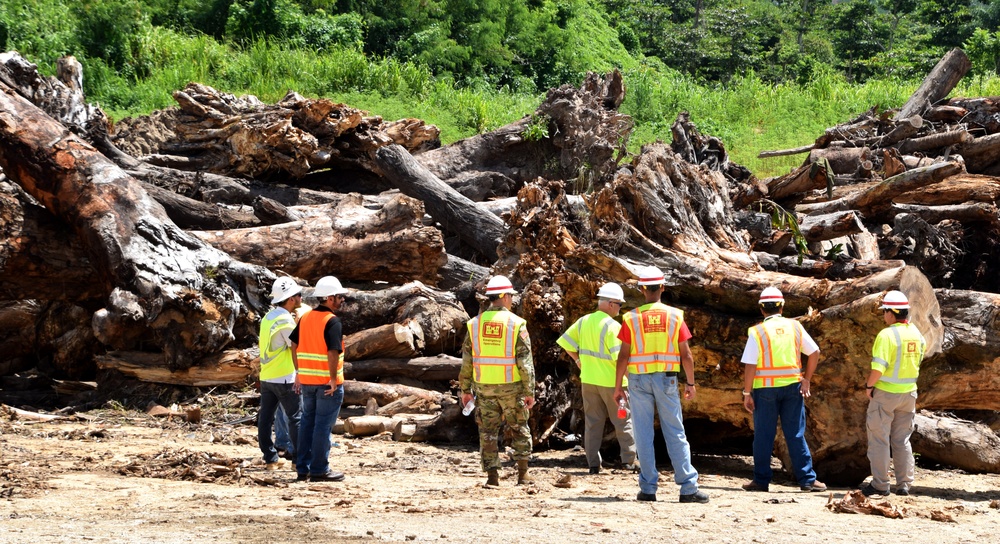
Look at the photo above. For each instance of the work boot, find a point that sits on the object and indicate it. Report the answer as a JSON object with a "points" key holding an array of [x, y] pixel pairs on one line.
{"points": [[492, 477], [522, 473]]}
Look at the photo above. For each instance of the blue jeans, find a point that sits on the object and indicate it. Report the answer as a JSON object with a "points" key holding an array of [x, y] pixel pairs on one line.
{"points": [[282, 440], [273, 395], [319, 413], [651, 394], [786, 402]]}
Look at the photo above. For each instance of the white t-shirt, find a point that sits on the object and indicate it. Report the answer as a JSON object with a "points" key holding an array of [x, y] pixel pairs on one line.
{"points": [[750, 352]]}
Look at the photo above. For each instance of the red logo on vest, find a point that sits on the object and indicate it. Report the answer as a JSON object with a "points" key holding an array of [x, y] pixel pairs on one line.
{"points": [[493, 330], [654, 322]]}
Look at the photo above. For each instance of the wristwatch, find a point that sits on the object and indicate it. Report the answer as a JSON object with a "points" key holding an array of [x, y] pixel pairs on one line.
{"points": [[746, 393]]}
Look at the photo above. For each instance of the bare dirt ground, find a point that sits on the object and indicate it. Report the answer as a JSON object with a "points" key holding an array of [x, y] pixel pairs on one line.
{"points": [[123, 476]]}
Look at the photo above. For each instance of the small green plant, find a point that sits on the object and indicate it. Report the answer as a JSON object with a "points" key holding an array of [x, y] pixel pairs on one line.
{"points": [[537, 129], [784, 220], [832, 253]]}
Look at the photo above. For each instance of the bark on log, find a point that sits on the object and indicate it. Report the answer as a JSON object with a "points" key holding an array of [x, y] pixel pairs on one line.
{"points": [[367, 425], [972, 447], [357, 393], [346, 239], [412, 404], [981, 153], [843, 160], [935, 141], [946, 114], [171, 289], [449, 426], [438, 367], [966, 213], [938, 83], [955, 190], [458, 272], [395, 340], [231, 367], [878, 199], [785, 152], [188, 213]]}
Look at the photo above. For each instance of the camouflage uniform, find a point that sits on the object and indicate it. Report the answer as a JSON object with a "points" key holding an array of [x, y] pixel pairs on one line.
{"points": [[496, 402]]}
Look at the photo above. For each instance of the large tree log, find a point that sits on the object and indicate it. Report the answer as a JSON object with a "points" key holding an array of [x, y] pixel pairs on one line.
{"points": [[230, 367], [346, 239], [171, 289], [938, 83], [966, 213], [395, 340], [935, 141], [456, 213], [972, 447], [357, 393], [438, 367], [816, 228]]}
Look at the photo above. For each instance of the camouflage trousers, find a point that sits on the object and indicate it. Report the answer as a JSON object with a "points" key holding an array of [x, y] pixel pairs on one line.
{"points": [[495, 404]]}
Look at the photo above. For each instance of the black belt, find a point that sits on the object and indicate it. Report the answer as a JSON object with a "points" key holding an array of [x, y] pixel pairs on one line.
{"points": [[671, 374]]}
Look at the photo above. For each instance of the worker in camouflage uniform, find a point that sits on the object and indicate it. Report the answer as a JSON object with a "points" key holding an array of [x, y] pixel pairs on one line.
{"points": [[497, 369]]}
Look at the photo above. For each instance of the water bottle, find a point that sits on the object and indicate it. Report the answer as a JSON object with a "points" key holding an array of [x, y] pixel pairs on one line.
{"points": [[622, 413], [469, 407]]}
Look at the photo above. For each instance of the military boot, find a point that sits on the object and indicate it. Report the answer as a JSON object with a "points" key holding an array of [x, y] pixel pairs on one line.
{"points": [[492, 477], [522, 473]]}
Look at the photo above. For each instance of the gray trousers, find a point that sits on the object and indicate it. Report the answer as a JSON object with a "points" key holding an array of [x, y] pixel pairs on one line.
{"points": [[890, 424], [598, 406]]}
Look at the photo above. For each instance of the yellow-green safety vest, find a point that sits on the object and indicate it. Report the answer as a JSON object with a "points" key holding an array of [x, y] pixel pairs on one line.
{"points": [[493, 334], [275, 363], [897, 353], [779, 345], [594, 337], [654, 331]]}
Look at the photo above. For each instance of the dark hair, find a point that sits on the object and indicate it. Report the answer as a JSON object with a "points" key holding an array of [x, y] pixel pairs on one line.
{"points": [[494, 298], [900, 313], [771, 307], [652, 287]]}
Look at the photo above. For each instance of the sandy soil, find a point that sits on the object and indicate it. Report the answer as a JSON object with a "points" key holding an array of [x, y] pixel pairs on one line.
{"points": [[121, 476]]}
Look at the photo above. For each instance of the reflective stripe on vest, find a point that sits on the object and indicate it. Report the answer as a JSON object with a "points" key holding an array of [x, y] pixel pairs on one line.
{"points": [[779, 345], [312, 351], [275, 363], [493, 334], [654, 330], [910, 360]]}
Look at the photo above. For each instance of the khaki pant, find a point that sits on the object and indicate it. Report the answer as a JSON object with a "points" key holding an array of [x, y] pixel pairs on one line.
{"points": [[598, 406], [890, 423]]}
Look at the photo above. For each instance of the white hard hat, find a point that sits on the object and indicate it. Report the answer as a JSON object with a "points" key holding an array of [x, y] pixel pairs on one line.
{"points": [[611, 291], [651, 275], [499, 285], [771, 294], [284, 289], [327, 286], [895, 300]]}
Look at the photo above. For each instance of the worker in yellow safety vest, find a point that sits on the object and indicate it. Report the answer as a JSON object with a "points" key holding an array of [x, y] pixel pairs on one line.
{"points": [[592, 342], [774, 387], [319, 361], [654, 351], [277, 370], [498, 372], [892, 392]]}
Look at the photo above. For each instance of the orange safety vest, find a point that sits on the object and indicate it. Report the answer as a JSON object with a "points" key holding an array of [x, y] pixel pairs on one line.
{"points": [[779, 345], [654, 330], [312, 350], [493, 334]]}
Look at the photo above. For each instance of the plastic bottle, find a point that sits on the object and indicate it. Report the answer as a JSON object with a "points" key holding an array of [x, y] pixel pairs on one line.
{"points": [[622, 413], [469, 407]]}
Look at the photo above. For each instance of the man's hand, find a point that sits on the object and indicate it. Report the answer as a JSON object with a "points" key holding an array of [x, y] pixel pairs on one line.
{"points": [[620, 394], [529, 402], [466, 397], [297, 386], [804, 388], [331, 391], [689, 392], [748, 403]]}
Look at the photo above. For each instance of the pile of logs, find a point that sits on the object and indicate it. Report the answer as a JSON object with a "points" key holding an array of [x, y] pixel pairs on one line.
{"points": [[145, 250]]}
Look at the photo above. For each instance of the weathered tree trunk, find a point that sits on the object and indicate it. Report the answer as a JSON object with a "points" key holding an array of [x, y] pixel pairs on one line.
{"points": [[456, 213], [816, 228], [935, 141], [938, 83], [395, 340], [972, 447], [230, 367], [439, 367], [357, 393], [843, 160], [170, 289], [346, 239], [974, 212]]}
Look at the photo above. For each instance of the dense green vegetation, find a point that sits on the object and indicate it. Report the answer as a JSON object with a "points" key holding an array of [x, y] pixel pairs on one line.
{"points": [[760, 74]]}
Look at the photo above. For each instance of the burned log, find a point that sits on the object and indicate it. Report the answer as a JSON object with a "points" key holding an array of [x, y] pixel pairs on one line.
{"points": [[171, 290]]}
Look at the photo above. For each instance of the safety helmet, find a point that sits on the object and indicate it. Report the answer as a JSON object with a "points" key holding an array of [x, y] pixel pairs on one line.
{"points": [[611, 291], [771, 294], [894, 300], [328, 286], [651, 275], [499, 285], [283, 289]]}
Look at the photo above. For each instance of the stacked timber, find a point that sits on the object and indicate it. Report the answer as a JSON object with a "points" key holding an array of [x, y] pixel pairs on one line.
{"points": [[144, 251]]}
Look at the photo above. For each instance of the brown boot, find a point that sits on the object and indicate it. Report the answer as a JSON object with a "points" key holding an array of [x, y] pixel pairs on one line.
{"points": [[492, 477], [522, 473]]}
